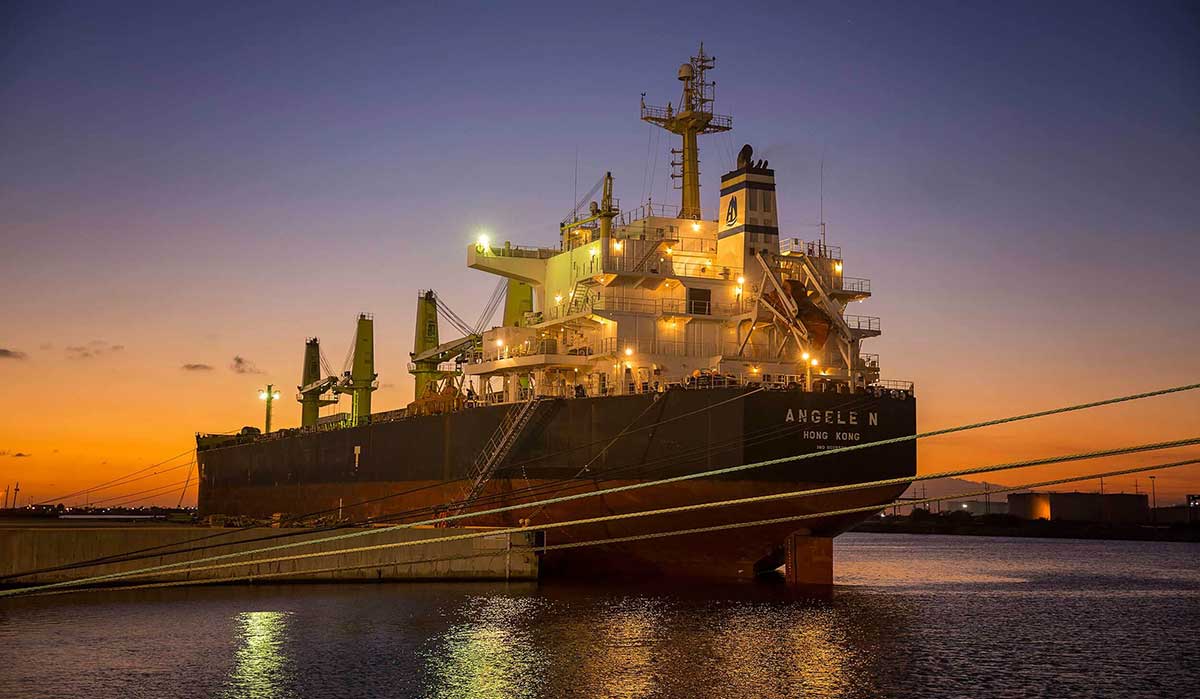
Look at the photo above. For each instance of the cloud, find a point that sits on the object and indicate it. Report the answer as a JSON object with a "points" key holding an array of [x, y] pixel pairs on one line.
{"points": [[95, 348], [12, 354], [241, 365], [197, 367], [15, 455]]}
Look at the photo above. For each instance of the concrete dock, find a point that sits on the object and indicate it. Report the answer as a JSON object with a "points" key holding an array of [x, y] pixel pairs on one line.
{"points": [[35, 553]]}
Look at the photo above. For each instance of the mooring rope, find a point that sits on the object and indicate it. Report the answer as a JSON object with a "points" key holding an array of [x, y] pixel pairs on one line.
{"points": [[189, 566], [685, 508], [249, 577], [628, 487], [869, 508]]}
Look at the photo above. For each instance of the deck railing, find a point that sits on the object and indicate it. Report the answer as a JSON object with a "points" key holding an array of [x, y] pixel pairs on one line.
{"points": [[855, 284], [812, 248], [517, 251], [870, 323]]}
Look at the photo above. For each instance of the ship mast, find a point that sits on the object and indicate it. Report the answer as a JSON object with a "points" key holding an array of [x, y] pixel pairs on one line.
{"points": [[692, 117]]}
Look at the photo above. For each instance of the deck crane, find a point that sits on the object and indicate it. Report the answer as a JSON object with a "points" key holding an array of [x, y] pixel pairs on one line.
{"points": [[433, 381], [358, 379]]}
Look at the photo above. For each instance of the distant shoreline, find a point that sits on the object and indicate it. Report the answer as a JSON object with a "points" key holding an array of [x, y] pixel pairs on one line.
{"points": [[1003, 525]]}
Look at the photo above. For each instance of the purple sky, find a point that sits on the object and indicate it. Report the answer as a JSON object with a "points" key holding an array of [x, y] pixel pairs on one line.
{"points": [[194, 181]]}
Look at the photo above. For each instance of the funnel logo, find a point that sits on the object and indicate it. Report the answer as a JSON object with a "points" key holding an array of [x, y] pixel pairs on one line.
{"points": [[731, 214]]}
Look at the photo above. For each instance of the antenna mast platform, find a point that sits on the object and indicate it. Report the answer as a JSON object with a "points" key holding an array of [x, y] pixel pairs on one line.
{"points": [[692, 117]]}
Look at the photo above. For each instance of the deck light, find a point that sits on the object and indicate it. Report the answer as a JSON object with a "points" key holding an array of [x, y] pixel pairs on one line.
{"points": [[837, 266], [804, 356], [499, 343], [483, 241], [670, 249], [815, 362], [617, 245], [628, 351], [741, 281], [558, 298], [695, 226]]}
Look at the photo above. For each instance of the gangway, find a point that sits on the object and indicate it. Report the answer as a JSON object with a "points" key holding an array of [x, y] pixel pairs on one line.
{"points": [[488, 461]]}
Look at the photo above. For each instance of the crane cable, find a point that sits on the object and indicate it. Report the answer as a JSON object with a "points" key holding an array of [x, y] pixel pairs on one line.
{"points": [[452, 317], [489, 309]]}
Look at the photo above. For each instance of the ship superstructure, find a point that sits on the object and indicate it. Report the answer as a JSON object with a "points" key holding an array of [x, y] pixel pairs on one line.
{"points": [[657, 296]]}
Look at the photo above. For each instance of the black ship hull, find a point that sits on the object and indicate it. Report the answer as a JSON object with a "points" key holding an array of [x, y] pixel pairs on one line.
{"points": [[408, 470]]}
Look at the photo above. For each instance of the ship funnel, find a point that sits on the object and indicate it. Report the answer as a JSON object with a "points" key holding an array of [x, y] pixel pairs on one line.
{"points": [[748, 218]]}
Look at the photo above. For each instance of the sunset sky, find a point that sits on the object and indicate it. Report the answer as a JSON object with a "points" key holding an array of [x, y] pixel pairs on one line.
{"points": [[188, 190]]}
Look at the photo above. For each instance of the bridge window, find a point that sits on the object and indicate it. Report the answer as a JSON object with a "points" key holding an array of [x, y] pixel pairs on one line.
{"points": [[699, 301]]}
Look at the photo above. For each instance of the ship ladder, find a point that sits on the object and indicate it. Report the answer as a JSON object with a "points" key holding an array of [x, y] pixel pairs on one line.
{"points": [[650, 253], [581, 298], [506, 436]]}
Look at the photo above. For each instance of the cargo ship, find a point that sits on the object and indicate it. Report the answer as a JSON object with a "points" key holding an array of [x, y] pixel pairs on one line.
{"points": [[645, 344]]}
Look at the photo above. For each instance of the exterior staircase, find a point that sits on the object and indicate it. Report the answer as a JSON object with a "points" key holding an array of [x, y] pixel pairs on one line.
{"points": [[651, 253], [581, 298], [493, 454]]}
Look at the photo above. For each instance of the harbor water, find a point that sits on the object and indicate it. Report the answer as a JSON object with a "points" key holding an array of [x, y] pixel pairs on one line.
{"points": [[932, 616]]}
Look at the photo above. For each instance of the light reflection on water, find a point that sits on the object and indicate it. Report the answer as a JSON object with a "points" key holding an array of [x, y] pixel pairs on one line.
{"points": [[261, 667], [917, 616], [491, 655]]}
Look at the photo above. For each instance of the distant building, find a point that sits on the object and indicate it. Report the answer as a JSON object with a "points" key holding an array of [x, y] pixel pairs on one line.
{"points": [[979, 507], [1179, 514], [1115, 508]]}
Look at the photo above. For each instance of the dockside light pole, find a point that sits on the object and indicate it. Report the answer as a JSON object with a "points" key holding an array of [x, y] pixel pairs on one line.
{"points": [[1153, 502], [270, 395]]}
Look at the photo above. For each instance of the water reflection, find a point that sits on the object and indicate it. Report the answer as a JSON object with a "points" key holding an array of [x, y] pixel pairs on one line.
{"points": [[937, 617], [261, 668], [623, 659], [491, 653], [586, 642]]}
